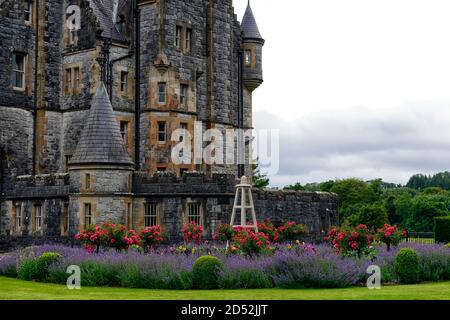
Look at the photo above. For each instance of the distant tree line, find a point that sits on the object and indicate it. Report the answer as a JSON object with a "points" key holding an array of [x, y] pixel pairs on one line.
{"points": [[376, 202]]}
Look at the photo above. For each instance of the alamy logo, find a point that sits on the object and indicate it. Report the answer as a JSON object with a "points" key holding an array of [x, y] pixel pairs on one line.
{"points": [[73, 21], [374, 280], [74, 280]]}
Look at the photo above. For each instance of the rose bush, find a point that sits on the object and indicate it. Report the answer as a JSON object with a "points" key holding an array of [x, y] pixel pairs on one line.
{"points": [[390, 235], [292, 231], [269, 230], [151, 237], [223, 233], [250, 242], [349, 241], [192, 233]]}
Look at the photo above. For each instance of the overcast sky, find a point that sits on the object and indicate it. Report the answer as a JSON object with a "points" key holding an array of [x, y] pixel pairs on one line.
{"points": [[358, 88]]}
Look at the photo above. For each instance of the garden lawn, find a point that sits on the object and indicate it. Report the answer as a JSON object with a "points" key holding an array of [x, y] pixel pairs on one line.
{"points": [[13, 289]]}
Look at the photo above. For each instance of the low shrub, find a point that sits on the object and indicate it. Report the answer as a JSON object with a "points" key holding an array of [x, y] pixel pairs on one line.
{"points": [[8, 266], [407, 266], [44, 262], [97, 274], [245, 278], [29, 270], [442, 229], [206, 271]]}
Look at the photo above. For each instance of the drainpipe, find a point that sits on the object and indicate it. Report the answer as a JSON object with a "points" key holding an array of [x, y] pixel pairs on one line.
{"points": [[241, 143], [137, 106], [36, 65]]}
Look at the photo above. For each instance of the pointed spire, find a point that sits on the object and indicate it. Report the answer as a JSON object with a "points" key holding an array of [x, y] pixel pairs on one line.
{"points": [[249, 25], [101, 141]]}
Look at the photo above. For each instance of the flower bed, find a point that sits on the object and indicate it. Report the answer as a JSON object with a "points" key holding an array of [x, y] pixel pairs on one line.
{"points": [[290, 266]]}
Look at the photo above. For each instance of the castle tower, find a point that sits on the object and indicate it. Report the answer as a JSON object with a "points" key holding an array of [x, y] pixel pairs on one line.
{"points": [[100, 170], [253, 43]]}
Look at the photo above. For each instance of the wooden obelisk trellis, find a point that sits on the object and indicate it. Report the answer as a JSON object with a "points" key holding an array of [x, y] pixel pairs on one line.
{"points": [[243, 202]]}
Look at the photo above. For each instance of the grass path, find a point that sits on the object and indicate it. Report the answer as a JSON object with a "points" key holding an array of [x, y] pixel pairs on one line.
{"points": [[13, 289]]}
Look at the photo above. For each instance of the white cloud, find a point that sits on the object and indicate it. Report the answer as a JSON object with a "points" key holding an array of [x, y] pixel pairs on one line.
{"points": [[362, 142]]}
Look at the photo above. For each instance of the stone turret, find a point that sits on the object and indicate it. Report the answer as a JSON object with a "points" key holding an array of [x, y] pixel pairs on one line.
{"points": [[252, 43], [100, 170]]}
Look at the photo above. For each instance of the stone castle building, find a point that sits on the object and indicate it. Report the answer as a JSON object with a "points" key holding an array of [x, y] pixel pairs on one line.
{"points": [[91, 92]]}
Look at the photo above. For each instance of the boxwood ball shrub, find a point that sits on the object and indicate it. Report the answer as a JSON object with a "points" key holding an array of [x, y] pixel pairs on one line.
{"points": [[28, 270], [206, 271], [442, 229], [407, 266], [45, 261]]}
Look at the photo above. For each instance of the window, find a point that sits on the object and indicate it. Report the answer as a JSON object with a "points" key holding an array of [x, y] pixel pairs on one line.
{"points": [[76, 80], [18, 76], [162, 92], [151, 215], [124, 82], [65, 220], [88, 181], [129, 216], [178, 37], [248, 57], [37, 217], [120, 23], [87, 214], [188, 40], [18, 210], [162, 127], [183, 94], [124, 131], [184, 129], [194, 212], [161, 169], [183, 171], [72, 80], [27, 11]]}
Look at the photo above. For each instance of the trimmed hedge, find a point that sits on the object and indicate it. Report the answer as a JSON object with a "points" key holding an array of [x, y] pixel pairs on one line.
{"points": [[206, 272], [442, 229], [407, 266]]}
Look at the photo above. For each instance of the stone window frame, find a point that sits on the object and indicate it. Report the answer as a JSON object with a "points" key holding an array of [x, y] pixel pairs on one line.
{"points": [[124, 82], [199, 212], [248, 53], [184, 98], [37, 226], [87, 181], [18, 220], [125, 131], [152, 210], [72, 81], [28, 13], [182, 30], [22, 72], [160, 132], [87, 214], [65, 220], [162, 94]]}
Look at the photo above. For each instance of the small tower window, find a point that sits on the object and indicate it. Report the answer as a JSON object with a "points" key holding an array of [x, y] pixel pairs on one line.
{"points": [[87, 214], [88, 181], [183, 94], [248, 57], [124, 131], [120, 23], [28, 11], [18, 76], [162, 132], [188, 40], [76, 80], [162, 92], [124, 82], [178, 37]]}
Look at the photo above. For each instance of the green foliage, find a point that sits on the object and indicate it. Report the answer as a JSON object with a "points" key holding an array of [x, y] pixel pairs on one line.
{"points": [[95, 274], [206, 272], [407, 266], [245, 279], [372, 215], [442, 229], [45, 261], [425, 208], [260, 180], [28, 270]]}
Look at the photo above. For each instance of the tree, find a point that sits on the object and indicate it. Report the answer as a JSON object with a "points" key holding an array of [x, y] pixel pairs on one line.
{"points": [[295, 187], [372, 215], [260, 180], [424, 208]]}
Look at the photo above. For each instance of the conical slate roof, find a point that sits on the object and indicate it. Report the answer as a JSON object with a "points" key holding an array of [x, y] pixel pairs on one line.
{"points": [[101, 141], [249, 25]]}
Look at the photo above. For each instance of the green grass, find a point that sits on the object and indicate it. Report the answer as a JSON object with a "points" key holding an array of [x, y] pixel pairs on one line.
{"points": [[13, 289]]}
